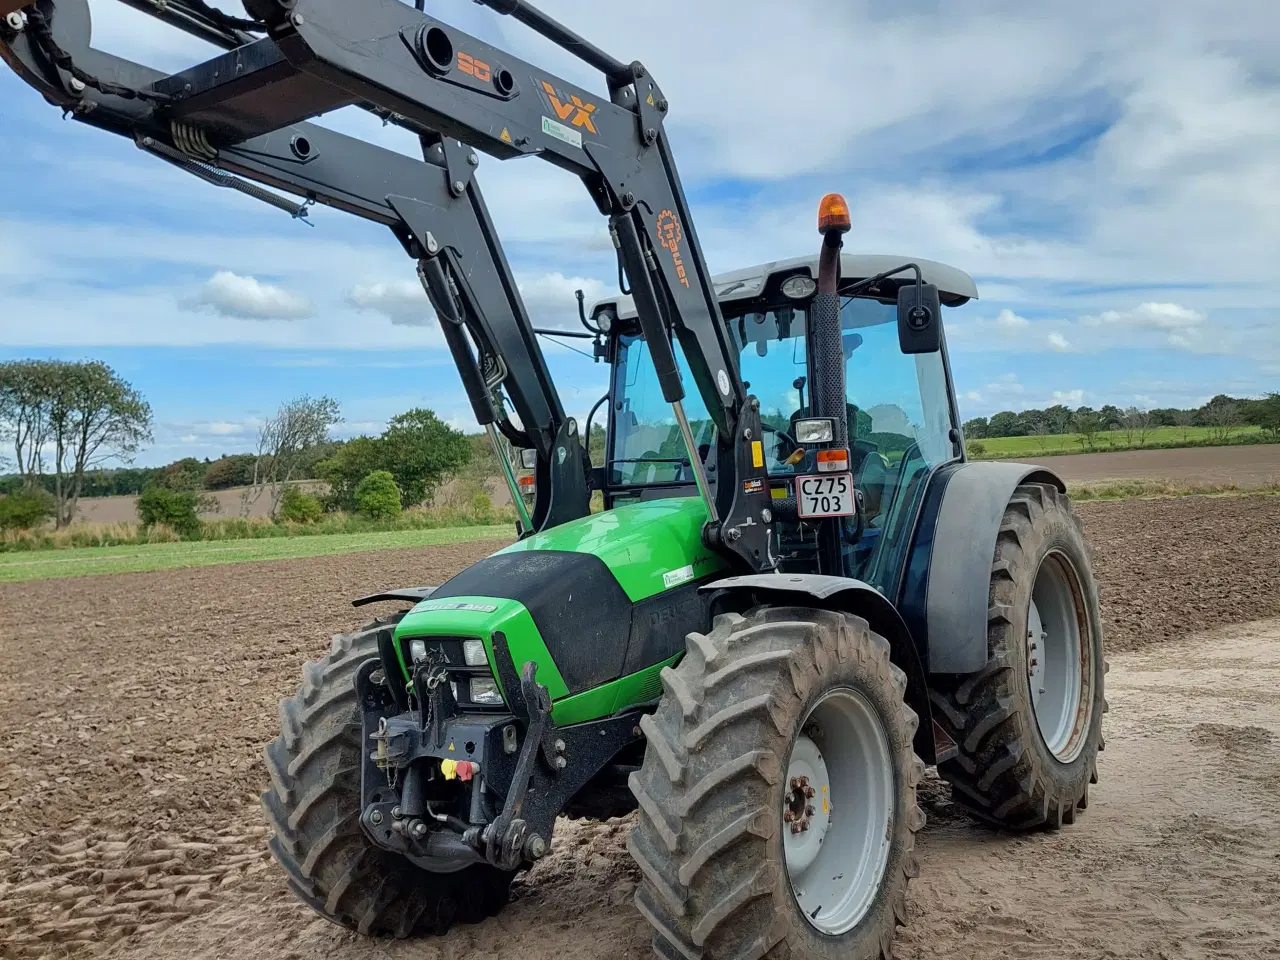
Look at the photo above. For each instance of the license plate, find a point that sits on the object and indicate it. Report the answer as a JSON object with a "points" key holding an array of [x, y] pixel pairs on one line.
{"points": [[830, 495]]}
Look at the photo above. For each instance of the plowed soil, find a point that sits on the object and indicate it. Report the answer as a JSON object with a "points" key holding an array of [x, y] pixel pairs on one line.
{"points": [[133, 709]]}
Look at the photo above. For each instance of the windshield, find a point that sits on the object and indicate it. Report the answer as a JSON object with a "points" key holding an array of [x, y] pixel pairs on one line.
{"points": [[897, 403]]}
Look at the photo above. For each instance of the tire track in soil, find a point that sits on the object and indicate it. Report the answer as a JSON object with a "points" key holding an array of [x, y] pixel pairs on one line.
{"points": [[133, 709]]}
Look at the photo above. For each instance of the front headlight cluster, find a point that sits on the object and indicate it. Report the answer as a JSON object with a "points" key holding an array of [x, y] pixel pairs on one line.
{"points": [[484, 690]]}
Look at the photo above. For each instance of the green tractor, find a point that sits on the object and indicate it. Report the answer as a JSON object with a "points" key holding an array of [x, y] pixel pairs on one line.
{"points": [[799, 593]]}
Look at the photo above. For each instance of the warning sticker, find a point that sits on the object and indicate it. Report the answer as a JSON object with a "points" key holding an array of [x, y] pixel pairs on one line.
{"points": [[554, 128], [505, 136], [675, 577], [753, 486]]}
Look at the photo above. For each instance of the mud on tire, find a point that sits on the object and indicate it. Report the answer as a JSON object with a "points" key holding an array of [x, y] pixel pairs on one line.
{"points": [[1005, 772], [313, 806], [709, 837]]}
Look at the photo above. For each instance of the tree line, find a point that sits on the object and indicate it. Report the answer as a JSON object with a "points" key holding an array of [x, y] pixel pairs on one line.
{"points": [[1221, 415], [64, 421]]}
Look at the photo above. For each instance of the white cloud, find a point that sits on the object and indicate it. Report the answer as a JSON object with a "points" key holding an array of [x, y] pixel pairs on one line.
{"points": [[247, 298], [222, 429], [403, 301], [550, 298], [1068, 398], [1009, 320], [1058, 342], [1152, 316]]}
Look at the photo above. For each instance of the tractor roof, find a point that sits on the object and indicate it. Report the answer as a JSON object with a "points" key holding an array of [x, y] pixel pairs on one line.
{"points": [[954, 286]]}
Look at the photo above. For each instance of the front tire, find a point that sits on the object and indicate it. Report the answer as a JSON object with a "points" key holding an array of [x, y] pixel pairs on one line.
{"points": [[1029, 724], [756, 708], [313, 807]]}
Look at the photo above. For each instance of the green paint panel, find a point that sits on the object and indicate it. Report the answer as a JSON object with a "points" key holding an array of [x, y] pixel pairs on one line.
{"points": [[608, 698], [481, 617], [649, 546]]}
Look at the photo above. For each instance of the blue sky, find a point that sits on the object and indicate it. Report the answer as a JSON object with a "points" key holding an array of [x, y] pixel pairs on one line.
{"points": [[1107, 173]]}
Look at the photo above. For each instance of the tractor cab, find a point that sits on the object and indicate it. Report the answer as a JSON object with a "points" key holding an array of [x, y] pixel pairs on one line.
{"points": [[902, 421]]}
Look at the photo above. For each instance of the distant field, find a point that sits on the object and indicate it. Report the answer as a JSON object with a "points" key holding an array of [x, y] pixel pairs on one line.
{"points": [[164, 556], [1167, 437]]}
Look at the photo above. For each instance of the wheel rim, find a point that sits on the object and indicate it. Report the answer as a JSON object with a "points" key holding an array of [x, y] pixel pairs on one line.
{"points": [[1059, 662], [836, 811]]}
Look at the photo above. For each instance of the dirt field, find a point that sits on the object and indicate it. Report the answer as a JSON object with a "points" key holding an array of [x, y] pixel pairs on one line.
{"points": [[1249, 466], [133, 709]]}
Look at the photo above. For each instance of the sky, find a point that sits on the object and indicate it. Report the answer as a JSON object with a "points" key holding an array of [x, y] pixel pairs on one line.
{"points": [[1107, 172]]}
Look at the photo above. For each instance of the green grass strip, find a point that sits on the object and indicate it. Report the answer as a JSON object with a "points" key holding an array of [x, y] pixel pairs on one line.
{"points": [[89, 561]]}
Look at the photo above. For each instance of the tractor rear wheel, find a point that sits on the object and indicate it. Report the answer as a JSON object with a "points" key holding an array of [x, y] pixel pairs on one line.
{"points": [[1029, 724], [778, 792], [313, 806]]}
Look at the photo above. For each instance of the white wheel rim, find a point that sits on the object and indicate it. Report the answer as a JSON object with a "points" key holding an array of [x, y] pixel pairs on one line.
{"points": [[1059, 662], [837, 839]]}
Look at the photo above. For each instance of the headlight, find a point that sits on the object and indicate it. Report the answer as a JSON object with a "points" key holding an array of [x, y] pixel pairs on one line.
{"points": [[485, 691], [417, 650], [797, 288], [473, 653], [816, 430]]}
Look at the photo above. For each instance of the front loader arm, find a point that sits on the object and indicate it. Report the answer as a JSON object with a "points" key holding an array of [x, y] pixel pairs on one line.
{"points": [[435, 209], [386, 53]]}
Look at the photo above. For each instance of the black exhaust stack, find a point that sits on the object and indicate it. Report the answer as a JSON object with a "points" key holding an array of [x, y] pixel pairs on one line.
{"points": [[826, 364]]}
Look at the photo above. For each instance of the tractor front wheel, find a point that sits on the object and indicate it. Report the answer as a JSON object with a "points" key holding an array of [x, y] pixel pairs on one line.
{"points": [[778, 792], [313, 807]]}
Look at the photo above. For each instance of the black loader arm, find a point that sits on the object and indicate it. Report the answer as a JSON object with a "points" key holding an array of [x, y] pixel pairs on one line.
{"points": [[319, 55], [434, 208]]}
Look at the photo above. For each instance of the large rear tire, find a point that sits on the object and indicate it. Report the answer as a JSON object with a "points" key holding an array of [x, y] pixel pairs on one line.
{"points": [[1029, 723], [779, 729], [313, 805]]}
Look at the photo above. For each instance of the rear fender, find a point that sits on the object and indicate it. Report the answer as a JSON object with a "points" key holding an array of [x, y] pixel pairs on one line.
{"points": [[947, 607], [736, 594]]}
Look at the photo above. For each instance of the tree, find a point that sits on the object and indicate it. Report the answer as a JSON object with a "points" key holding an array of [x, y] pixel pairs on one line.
{"points": [[1222, 415], [378, 497], [299, 507], [351, 462], [185, 474], [1186, 420], [83, 411], [1089, 423], [1265, 413], [976, 429], [26, 387], [419, 450], [173, 508], [25, 508], [1059, 418], [285, 443], [1006, 423], [233, 471], [1136, 424], [1111, 416]]}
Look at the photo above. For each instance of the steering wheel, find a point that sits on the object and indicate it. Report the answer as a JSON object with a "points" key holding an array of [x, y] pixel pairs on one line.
{"points": [[769, 428]]}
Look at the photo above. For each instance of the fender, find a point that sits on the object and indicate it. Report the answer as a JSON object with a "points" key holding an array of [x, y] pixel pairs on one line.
{"points": [[850, 596], [967, 506], [411, 594]]}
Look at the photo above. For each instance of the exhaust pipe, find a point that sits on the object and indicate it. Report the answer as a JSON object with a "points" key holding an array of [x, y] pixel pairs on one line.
{"points": [[826, 369]]}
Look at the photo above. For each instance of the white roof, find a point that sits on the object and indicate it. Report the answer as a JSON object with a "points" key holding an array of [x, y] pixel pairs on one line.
{"points": [[954, 286]]}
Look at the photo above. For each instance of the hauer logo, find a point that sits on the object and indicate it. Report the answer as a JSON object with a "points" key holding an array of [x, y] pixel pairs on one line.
{"points": [[570, 108], [669, 237]]}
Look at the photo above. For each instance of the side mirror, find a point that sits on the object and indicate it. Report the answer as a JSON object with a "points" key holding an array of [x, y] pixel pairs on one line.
{"points": [[528, 458], [919, 318]]}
